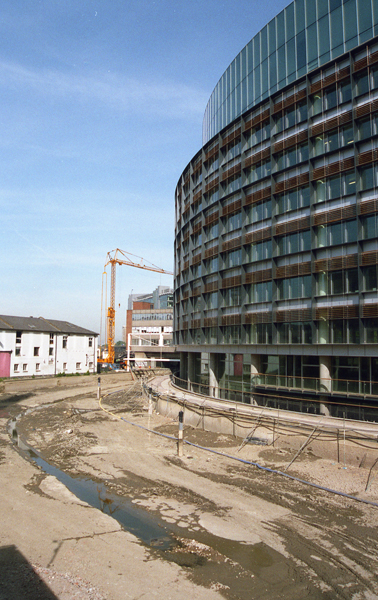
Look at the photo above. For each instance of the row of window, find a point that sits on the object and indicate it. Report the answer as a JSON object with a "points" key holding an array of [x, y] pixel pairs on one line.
{"points": [[330, 188], [37, 348], [17, 367], [338, 331]]}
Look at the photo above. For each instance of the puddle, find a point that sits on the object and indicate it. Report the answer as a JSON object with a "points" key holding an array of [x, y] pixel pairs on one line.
{"points": [[149, 529], [232, 565]]}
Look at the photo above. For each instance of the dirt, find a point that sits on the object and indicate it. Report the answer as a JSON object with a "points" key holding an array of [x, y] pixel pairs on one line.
{"points": [[240, 532]]}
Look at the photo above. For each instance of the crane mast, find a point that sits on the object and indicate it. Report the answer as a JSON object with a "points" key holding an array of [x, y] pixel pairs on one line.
{"points": [[120, 257]]}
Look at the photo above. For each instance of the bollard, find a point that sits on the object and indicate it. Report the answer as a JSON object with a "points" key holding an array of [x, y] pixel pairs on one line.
{"points": [[98, 388], [180, 441]]}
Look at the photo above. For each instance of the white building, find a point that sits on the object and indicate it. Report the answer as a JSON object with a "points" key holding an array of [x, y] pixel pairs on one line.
{"points": [[37, 346]]}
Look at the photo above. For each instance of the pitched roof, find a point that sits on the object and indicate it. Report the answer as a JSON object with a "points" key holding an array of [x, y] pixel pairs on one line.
{"points": [[40, 324]]}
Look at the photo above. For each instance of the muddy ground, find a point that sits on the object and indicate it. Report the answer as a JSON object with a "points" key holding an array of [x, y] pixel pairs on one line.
{"points": [[235, 531]]}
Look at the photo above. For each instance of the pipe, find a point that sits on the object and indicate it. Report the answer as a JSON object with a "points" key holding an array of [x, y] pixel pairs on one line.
{"points": [[242, 460]]}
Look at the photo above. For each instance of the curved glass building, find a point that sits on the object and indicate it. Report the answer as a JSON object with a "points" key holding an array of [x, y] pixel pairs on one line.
{"points": [[276, 241]]}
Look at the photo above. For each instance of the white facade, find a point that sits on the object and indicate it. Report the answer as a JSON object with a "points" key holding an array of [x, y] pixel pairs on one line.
{"points": [[50, 352]]}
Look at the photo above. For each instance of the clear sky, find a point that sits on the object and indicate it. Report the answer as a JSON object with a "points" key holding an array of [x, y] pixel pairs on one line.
{"points": [[101, 108]]}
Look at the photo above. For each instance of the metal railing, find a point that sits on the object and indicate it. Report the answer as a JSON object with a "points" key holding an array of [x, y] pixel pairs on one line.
{"points": [[289, 393]]}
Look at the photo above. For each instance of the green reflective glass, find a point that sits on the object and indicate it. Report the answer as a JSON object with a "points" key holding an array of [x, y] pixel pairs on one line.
{"points": [[323, 31], [364, 15], [299, 15], [301, 49], [312, 43], [350, 20], [272, 70], [336, 28], [310, 12], [322, 8], [290, 21], [280, 29], [290, 56], [272, 36], [264, 43]]}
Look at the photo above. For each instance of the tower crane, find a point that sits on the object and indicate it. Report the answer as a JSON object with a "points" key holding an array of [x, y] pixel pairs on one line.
{"points": [[120, 257]]}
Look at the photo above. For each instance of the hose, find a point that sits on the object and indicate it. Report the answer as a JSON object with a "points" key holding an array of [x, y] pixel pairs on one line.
{"points": [[242, 460]]}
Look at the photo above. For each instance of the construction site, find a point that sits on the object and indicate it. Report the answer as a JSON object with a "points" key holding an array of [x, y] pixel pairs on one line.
{"points": [[128, 487]]}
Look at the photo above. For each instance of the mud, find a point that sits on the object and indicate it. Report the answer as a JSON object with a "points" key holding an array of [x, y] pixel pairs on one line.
{"points": [[240, 532]]}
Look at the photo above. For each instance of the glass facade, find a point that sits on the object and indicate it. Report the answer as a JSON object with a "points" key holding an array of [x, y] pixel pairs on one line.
{"points": [[305, 35], [276, 239]]}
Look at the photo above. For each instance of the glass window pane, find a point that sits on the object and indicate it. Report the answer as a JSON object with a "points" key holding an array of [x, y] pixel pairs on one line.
{"points": [[310, 12], [322, 8], [323, 25], [336, 27], [299, 15], [336, 234], [264, 43], [364, 15], [290, 21], [301, 50], [350, 20], [312, 43], [280, 19], [272, 70], [272, 36]]}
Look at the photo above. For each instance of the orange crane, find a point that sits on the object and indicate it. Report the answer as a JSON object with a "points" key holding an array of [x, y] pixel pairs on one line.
{"points": [[120, 257]]}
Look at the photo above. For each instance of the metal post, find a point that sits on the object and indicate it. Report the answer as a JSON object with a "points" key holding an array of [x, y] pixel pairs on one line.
{"points": [[128, 352], [180, 441], [98, 388]]}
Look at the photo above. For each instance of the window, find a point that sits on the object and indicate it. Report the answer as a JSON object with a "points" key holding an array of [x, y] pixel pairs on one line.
{"points": [[293, 243], [294, 333], [259, 134], [294, 287], [51, 351], [233, 259], [38, 367], [344, 332], [231, 334], [337, 282], [211, 300], [339, 233], [335, 187], [16, 368], [259, 333], [90, 342], [370, 278], [18, 351], [370, 226], [24, 367], [368, 178], [78, 366], [260, 292], [260, 251], [18, 337], [36, 350], [259, 212], [345, 92], [371, 331], [232, 296], [51, 339], [293, 200], [64, 342], [291, 157], [211, 232], [233, 222], [64, 366]]}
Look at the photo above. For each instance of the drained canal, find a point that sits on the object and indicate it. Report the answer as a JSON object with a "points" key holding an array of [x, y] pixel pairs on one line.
{"points": [[234, 568]]}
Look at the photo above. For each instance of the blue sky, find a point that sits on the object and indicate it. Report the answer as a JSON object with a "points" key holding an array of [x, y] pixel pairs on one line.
{"points": [[101, 108]]}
